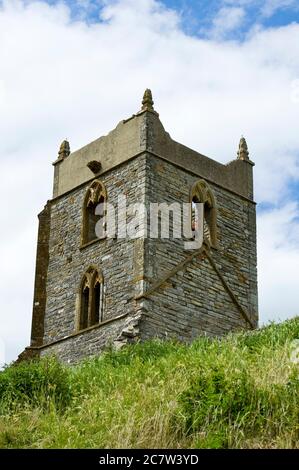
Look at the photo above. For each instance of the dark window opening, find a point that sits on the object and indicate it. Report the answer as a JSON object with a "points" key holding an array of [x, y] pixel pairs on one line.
{"points": [[207, 215], [97, 303], [93, 213], [84, 308], [91, 299]]}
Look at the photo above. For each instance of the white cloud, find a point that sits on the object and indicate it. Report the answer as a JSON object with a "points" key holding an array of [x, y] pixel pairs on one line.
{"points": [[270, 7], [227, 20], [278, 255], [60, 79]]}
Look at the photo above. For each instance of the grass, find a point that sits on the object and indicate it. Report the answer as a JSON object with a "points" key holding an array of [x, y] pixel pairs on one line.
{"points": [[238, 392]]}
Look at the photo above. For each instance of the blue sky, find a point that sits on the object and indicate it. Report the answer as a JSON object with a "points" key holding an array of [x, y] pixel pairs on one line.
{"points": [[218, 69], [197, 16]]}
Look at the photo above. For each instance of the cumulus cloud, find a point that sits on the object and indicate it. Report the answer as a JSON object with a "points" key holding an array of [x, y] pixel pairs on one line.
{"points": [[228, 19], [278, 255], [64, 77]]}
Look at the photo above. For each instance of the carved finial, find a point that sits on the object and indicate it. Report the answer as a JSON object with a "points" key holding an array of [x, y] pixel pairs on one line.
{"points": [[243, 153], [147, 102], [64, 149]]}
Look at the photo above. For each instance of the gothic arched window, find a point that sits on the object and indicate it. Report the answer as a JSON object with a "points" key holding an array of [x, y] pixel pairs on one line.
{"points": [[91, 298], [93, 211], [202, 193]]}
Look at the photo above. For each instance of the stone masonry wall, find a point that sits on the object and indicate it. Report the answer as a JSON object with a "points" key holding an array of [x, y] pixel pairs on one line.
{"points": [[194, 300], [93, 341], [119, 259], [41, 270]]}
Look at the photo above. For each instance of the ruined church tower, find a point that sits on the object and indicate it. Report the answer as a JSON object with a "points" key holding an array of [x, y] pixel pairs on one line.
{"points": [[92, 290]]}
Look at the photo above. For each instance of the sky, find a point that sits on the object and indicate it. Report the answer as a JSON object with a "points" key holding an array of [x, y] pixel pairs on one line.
{"points": [[218, 69]]}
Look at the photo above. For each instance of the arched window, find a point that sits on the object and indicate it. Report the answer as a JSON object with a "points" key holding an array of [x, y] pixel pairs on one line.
{"points": [[202, 193], [91, 298], [91, 230]]}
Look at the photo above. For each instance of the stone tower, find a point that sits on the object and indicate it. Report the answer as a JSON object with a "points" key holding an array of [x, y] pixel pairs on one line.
{"points": [[93, 290]]}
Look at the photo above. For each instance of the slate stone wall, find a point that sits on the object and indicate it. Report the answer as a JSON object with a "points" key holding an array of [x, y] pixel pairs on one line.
{"points": [[120, 260], [195, 300]]}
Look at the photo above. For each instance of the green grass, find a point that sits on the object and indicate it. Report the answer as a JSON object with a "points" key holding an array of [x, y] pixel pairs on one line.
{"points": [[238, 392]]}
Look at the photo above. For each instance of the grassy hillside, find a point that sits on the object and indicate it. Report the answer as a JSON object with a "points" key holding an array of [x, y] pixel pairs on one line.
{"points": [[241, 391]]}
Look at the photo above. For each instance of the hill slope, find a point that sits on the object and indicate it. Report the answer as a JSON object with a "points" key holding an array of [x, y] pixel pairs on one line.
{"points": [[241, 391]]}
